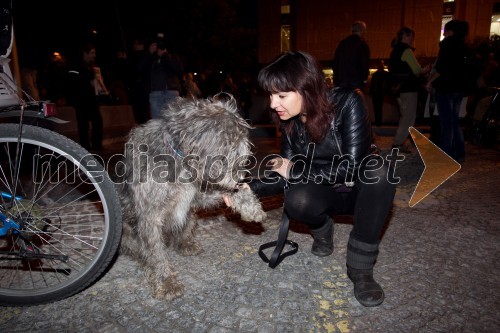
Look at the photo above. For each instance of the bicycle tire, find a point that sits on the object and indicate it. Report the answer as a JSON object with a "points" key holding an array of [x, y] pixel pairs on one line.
{"points": [[69, 209]]}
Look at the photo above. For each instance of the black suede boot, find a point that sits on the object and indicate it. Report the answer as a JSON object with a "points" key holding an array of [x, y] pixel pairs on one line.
{"points": [[361, 258], [323, 239]]}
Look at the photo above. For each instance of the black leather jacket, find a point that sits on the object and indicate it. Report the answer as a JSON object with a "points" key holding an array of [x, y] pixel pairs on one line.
{"points": [[349, 139], [450, 66]]}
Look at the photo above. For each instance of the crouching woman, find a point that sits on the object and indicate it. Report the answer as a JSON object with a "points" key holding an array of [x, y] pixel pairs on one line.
{"points": [[326, 138]]}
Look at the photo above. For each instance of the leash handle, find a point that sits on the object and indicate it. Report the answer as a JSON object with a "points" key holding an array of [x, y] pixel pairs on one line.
{"points": [[276, 256]]}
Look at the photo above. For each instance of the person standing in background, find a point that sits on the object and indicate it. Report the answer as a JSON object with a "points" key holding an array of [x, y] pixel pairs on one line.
{"points": [[449, 81], [405, 73], [378, 89], [191, 89], [120, 78], [352, 58], [246, 94], [164, 73], [84, 97], [139, 92]]}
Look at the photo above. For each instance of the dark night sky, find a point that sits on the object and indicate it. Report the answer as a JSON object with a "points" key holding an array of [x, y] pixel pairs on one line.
{"points": [[195, 28]]}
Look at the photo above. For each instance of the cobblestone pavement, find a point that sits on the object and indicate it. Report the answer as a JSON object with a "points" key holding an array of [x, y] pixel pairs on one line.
{"points": [[439, 266]]}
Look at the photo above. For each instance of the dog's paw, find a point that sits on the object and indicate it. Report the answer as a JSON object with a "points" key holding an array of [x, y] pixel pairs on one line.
{"points": [[167, 289], [258, 215], [253, 215], [248, 206], [189, 248]]}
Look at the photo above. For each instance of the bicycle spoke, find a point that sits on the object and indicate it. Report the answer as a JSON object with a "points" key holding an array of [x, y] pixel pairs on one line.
{"points": [[57, 217]]}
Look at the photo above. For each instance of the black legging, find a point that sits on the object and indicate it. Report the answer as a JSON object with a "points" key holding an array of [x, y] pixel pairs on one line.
{"points": [[311, 203]]}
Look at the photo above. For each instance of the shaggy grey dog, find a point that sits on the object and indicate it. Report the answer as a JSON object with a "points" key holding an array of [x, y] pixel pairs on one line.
{"points": [[174, 165]]}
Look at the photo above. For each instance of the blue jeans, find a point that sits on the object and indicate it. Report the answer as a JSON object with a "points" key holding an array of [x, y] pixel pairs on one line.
{"points": [[158, 100], [452, 138]]}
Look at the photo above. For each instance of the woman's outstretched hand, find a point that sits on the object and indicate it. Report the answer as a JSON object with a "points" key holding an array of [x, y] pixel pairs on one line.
{"points": [[239, 187], [280, 165]]}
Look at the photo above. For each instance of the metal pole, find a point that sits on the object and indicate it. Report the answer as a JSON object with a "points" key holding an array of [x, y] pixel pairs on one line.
{"points": [[122, 35]]}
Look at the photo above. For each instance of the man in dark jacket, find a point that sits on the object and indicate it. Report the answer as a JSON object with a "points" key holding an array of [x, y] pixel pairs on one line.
{"points": [[450, 82], [351, 59], [163, 71], [83, 96]]}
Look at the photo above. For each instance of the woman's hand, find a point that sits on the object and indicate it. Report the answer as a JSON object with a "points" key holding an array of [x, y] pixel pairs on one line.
{"points": [[428, 86], [281, 166], [426, 70], [240, 187], [432, 77], [227, 200]]}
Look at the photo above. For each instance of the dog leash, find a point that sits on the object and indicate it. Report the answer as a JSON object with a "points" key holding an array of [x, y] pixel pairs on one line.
{"points": [[279, 244]]}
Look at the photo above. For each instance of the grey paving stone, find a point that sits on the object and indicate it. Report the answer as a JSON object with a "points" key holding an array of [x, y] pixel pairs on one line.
{"points": [[439, 264]]}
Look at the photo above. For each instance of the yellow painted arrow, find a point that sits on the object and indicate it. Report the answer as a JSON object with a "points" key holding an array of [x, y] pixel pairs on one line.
{"points": [[439, 167]]}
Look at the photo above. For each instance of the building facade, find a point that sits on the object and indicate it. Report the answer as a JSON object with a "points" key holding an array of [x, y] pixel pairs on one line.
{"points": [[317, 26]]}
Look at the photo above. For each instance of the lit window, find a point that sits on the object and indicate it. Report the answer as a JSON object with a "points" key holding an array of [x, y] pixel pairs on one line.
{"points": [[285, 38]]}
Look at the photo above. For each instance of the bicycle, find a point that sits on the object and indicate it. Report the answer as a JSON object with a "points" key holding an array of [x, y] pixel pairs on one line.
{"points": [[484, 125], [60, 215]]}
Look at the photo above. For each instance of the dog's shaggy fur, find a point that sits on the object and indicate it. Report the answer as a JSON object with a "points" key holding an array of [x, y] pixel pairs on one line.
{"points": [[174, 165]]}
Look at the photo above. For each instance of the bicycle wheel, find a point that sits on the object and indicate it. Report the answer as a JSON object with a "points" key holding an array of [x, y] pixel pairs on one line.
{"points": [[60, 217]]}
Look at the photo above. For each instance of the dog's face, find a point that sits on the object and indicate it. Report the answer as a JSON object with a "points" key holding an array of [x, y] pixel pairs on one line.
{"points": [[214, 135]]}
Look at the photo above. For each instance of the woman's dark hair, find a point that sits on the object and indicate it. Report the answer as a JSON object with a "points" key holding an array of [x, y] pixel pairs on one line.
{"points": [[299, 72], [404, 31]]}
